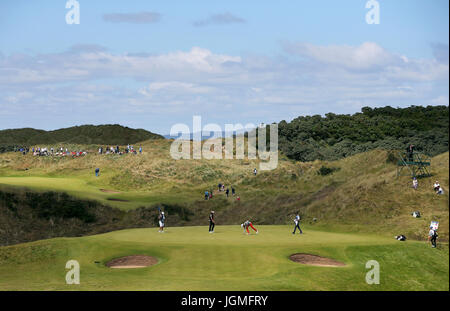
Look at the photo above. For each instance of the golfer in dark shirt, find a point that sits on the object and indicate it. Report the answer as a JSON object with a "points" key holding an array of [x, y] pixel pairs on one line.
{"points": [[212, 222]]}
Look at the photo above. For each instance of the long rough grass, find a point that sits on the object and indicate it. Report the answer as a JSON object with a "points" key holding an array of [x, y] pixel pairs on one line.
{"points": [[363, 194]]}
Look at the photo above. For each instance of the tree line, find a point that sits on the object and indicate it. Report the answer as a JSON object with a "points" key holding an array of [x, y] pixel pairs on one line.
{"points": [[336, 136]]}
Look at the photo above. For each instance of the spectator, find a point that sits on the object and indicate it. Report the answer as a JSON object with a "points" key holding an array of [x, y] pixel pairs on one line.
{"points": [[415, 183], [436, 186]]}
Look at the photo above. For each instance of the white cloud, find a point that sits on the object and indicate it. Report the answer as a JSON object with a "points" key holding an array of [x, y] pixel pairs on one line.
{"points": [[89, 80], [220, 19], [441, 100], [134, 18], [364, 56]]}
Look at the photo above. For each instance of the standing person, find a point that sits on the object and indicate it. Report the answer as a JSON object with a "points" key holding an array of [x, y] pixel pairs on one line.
{"points": [[255, 171], [247, 224], [220, 187], [97, 172], [297, 224], [140, 149], [233, 191], [162, 219], [415, 183], [432, 235], [212, 222], [210, 194], [227, 192], [206, 195], [410, 152]]}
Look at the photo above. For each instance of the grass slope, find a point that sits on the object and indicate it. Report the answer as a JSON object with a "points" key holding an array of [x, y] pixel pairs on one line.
{"points": [[362, 195], [192, 259]]}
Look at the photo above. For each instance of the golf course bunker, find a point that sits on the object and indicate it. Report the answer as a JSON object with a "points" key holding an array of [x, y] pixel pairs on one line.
{"points": [[131, 262], [314, 260]]}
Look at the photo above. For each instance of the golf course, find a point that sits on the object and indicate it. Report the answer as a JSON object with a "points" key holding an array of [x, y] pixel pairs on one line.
{"points": [[54, 209]]}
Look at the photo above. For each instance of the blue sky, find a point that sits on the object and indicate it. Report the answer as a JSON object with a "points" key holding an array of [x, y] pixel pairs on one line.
{"points": [[151, 64]]}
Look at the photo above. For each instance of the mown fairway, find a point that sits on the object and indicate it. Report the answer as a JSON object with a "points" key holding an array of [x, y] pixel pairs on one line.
{"points": [[192, 259], [83, 188]]}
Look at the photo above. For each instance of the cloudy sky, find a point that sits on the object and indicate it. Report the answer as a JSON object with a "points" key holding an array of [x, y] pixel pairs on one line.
{"points": [[151, 64]]}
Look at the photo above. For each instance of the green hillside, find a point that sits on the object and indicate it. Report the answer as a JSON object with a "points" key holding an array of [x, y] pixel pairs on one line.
{"points": [[362, 194], [85, 134], [351, 209]]}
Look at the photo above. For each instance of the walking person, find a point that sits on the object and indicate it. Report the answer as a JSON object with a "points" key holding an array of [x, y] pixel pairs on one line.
{"points": [[227, 192], [247, 224], [206, 195], [297, 224], [432, 235], [212, 222], [162, 219], [255, 171], [233, 191], [97, 172]]}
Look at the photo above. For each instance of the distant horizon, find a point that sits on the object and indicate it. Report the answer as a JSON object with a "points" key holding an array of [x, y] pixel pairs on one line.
{"points": [[168, 136], [224, 133]]}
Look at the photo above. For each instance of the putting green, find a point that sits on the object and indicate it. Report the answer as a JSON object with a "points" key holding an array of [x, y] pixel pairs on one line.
{"points": [[192, 259]]}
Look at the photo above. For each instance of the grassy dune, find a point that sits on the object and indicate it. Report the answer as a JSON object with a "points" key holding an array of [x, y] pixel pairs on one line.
{"points": [[363, 195]]}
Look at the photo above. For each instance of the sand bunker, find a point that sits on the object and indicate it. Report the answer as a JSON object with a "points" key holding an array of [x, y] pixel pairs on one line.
{"points": [[109, 191], [315, 260], [130, 262]]}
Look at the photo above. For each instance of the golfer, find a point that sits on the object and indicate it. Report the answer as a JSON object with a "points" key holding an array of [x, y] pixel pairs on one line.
{"points": [[212, 222], [297, 224], [162, 218], [432, 235], [247, 224]]}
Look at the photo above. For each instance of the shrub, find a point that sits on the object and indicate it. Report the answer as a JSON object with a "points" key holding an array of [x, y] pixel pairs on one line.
{"points": [[324, 170]]}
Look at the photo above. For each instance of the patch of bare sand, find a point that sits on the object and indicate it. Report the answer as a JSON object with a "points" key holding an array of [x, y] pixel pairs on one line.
{"points": [[315, 260], [131, 262]]}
